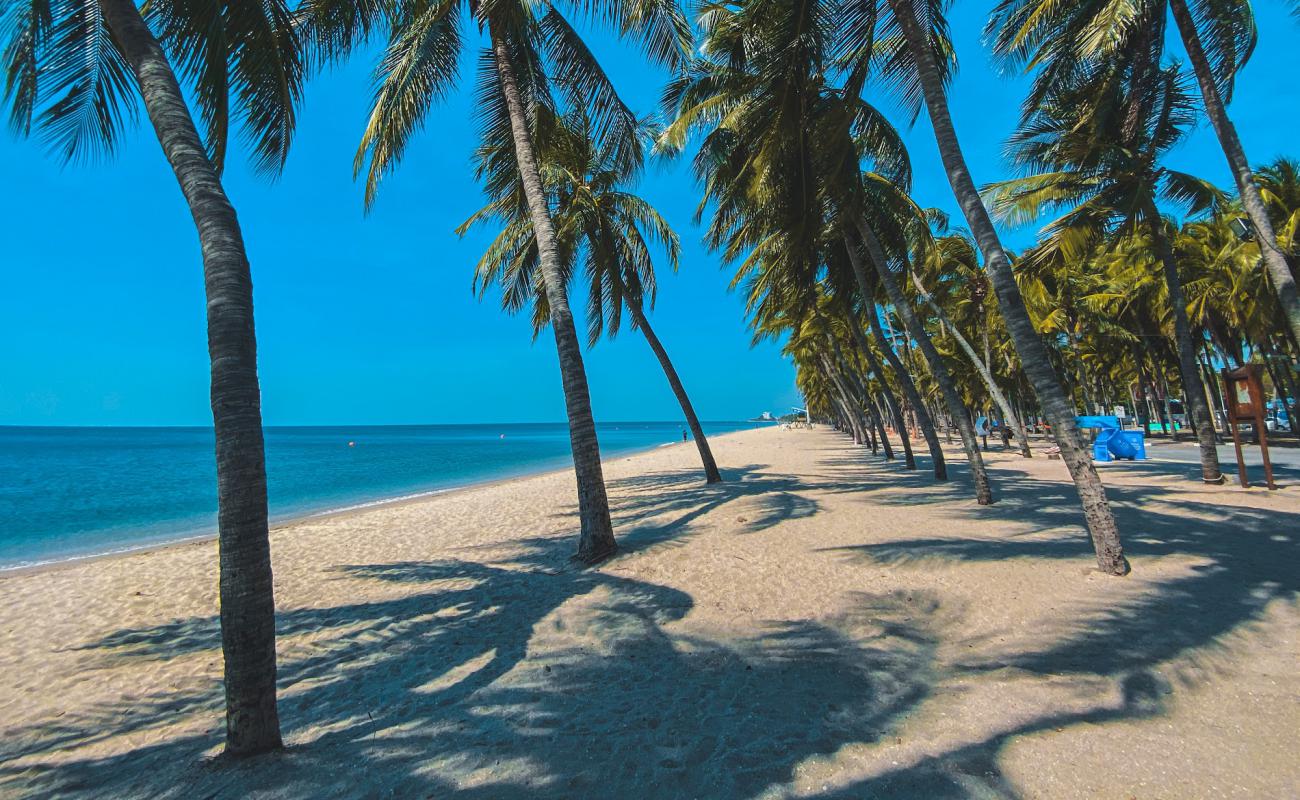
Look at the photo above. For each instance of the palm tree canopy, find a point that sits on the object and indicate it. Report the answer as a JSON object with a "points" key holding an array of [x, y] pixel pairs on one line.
{"points": [[66, 77], [600, 224], [1063, 43], [1086, 155], [425, 41]]}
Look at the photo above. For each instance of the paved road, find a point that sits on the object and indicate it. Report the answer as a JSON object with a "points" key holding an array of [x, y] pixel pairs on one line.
{"points": [[1284, 454], [1286, 460]]}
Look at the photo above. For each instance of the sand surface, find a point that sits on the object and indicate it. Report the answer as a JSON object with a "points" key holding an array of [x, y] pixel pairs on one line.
{"points": [[821, 625]]}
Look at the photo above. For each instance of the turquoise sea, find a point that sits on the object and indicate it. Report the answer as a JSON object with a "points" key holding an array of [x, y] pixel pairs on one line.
{"points": [[69, 492]]}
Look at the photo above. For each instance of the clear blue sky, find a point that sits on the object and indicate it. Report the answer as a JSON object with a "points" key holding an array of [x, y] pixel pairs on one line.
{"points": [[370, 319]]}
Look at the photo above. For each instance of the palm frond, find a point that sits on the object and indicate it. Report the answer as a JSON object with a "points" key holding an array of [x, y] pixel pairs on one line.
{"points": [[419, 67]]}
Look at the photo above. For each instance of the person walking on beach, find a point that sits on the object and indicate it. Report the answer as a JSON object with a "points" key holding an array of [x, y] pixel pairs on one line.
{"points": [[683, 434]]}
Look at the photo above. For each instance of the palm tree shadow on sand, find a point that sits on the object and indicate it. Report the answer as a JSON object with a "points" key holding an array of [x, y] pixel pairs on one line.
{"points": [[1182, 633], [530, 677], [444, 690]]}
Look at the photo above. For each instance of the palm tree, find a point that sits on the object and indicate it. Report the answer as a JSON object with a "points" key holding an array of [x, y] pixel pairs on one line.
{"points": [[1096, 155], [854, 325], [867, 288], [531, 46], [914, 65], [1228, 296], [1063, 40], [955, 255], [938, 370], [1279, 184], [74, 72], [594, 215], [774, 158]]}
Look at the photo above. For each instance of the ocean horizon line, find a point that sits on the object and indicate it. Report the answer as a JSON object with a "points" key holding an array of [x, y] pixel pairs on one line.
{"points": [[305, 426]]}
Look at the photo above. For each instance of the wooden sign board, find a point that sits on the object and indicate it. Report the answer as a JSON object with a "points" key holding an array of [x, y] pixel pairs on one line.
{"points": [[1243, 394]]}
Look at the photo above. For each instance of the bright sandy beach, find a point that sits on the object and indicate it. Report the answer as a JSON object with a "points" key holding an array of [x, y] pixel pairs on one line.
{"points": [[820, 625]]}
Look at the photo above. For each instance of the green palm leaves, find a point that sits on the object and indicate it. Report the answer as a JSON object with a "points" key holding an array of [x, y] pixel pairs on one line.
{"points": [[239, 53], [65, 75], [1064, 42], [1094, 151], [600, 225], [425, 43]]}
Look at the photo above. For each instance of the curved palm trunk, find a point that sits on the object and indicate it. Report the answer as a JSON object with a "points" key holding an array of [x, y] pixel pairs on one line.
{"points": [[871, 418], [1159, 386], [1056, 407], [887, 394], [711, 474], [1168, 406], [852, 418], [904, 378], [843, 425], [247, 601], [981, 367], [912, 324], [851, 405], [878, 429], [848, 390], [1145, 386], [1207, 375], [1288, 376], [861, 423], [1197, 406], [1278, 385], [1274, 259], [915, 405], [597, 538]]}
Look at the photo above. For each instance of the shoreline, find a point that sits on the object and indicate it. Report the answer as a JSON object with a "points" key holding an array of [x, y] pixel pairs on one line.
{"points": [[822, 624], [297, 519]]}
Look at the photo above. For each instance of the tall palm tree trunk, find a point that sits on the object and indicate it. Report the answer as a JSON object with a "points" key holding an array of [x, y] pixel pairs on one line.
{"points": [[982, 367], [597, 538], [1207, 374], [1145, 387], [1159, 386], [847, 426], [879, 426], [1274, 259], [870, 418], [856, 415], [886, 394], [904, 378], [1288, 376], [1195, 401], [1033, 354], [947, 388], [244, 549], [711, 474], [1168, 406], [852, 417]]}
